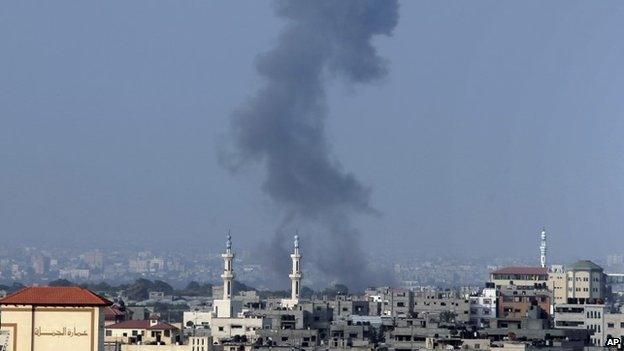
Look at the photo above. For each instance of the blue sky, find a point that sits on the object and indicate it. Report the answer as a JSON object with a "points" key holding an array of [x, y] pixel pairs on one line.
{"points": [[496, 118]]}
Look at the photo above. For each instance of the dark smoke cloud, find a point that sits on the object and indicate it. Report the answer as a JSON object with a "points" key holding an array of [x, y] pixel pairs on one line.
{"points": [[282, 126]]}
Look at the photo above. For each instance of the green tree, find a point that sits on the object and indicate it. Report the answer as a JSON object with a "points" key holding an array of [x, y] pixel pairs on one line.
{"points": [[447, 317]]}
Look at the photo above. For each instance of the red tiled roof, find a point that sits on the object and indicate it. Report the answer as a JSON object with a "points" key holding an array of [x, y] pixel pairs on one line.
{"points": [[162, 326], [112, 312], [522, 270], [141, 324], [55, 296]]}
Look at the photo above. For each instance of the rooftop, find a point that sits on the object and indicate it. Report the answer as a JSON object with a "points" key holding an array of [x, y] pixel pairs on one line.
{"points": [[55, 296], [141, 324], [585, 265], [522, 270]]}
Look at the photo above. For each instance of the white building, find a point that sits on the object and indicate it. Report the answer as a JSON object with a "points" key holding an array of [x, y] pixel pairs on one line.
{"points": [[196, 319], [582, 316], [228, 319], [483, 307]]}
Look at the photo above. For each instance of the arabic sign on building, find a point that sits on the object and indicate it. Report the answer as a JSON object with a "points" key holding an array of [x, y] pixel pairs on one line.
{"points": [[65, 331], [53, 328]]}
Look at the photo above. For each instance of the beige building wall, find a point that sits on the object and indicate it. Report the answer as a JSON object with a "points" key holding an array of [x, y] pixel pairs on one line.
{"points": [[122, 335], [614, 325], [558, 285], [225, 328], [53, 328], [585, 284], [156, 348]]}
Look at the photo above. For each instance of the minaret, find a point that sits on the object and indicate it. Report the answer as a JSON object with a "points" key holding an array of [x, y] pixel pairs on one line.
{"points": [[228, 271], [543, 249], [295, 275]]}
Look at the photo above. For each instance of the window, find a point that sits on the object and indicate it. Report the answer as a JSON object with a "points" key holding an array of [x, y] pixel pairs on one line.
{"points": [[109, 332], [135, 332]]}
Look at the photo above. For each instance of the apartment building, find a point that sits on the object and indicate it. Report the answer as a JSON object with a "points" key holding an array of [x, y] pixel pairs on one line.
{"points": [[582, 316], [436, 302], [522, 276]]}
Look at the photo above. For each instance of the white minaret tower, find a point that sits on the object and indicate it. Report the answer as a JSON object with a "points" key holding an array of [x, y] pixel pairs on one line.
{"points": [[543, 248], [228, 271], [226, 307], [295, 277]]}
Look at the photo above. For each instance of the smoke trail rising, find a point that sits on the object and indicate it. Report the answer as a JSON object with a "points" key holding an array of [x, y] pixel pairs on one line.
{"points": [[282, 125]]}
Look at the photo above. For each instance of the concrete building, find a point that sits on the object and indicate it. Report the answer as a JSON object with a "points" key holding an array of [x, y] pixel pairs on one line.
{"points": [[613, 326], [143, 332], [534, 328], [41, 264], [483, 307], [74, 274], [558, 284], [291, 338], [586, 280], [53, 318], [581, 280], [196, 319], [582, 316], [435, 302], [242, 325], [398, 303], [514, 302], [522, 276]]}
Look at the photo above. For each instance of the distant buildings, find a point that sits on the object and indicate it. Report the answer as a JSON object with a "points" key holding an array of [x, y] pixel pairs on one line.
{"points": [[556, 308], [41, 264]]}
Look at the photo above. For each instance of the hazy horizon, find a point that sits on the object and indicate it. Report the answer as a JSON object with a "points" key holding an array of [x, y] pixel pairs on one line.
{"points": [[493, 121]]}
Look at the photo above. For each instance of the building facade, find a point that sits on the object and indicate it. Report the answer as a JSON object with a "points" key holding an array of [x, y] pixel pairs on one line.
{"points": [[53, 318]]}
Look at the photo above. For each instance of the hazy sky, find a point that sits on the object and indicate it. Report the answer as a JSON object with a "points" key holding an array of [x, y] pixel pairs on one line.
{"points": [[496, 118]]}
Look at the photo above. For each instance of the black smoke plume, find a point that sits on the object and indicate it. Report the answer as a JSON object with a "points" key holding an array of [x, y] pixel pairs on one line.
{"points": [[283, 125]]}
